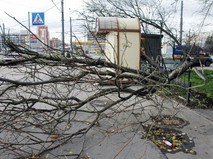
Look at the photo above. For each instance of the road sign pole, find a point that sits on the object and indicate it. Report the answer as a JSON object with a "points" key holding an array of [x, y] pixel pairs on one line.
{"points": [[29, 29]]}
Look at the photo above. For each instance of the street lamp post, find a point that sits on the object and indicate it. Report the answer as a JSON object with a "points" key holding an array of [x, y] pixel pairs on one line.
{"points": [[62, 25], [181, 22]]}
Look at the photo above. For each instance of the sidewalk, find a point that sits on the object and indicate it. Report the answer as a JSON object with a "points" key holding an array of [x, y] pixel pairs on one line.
{"points": [[206, 113], [119, 136], [200, 129]]}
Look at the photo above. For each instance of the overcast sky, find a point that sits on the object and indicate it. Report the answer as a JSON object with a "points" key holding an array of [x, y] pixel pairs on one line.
{"points": [[51, 8], [20, 8]]}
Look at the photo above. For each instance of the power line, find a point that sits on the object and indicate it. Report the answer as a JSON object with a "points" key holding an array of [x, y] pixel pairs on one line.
{"points": [[55, 5]]}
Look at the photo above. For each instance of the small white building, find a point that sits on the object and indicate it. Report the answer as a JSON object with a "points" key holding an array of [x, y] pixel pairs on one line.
{"points": [[123, 40]]}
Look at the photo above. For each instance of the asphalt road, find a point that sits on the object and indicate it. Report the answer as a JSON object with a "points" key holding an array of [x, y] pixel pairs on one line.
{"points": [[206, 68]]}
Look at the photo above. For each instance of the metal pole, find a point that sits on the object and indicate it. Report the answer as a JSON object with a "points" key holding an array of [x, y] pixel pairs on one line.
{"points": [[189, 86], [29, 29], [62, 25], [181, 22], [70, 34], [3, 40]]}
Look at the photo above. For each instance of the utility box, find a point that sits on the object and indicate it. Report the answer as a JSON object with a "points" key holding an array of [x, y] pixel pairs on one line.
{"points": [[123, 40], [151, 44]]}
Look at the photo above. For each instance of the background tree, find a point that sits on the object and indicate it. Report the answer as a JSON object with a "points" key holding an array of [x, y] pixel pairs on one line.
{"points": [[206, 8], [208, 46], [153, 15]]}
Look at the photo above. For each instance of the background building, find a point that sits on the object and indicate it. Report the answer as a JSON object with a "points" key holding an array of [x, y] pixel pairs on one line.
{"points": [[55, 43], [43, 35], [97, 41]]}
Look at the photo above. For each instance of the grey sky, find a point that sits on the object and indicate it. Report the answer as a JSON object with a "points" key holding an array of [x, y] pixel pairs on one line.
{"points": [[19, 9]]}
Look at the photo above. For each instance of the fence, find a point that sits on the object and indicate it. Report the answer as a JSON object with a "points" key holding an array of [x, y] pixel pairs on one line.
{"points": [[183, 81]]}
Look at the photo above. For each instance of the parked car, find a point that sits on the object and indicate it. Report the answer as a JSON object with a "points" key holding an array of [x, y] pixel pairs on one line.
{"points": [[202, 59], [95, 55], [92, 52]]}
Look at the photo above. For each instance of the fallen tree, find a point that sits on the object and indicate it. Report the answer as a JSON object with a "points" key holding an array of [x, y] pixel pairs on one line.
{"points": [[44, 96]]}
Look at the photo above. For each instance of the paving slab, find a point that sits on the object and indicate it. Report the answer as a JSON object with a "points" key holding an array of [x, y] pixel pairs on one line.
{"points": [[111, 140], [118, 135], [200, 129]]}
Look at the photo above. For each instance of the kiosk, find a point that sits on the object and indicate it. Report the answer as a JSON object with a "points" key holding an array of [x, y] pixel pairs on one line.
{"points": [[123, 40]]}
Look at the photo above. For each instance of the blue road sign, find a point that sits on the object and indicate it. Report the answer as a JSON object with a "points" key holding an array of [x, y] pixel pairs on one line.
{"points": [[38, 18]]}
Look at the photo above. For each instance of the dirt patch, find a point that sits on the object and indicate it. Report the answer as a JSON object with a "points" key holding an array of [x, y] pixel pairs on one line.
{"points": [[170, 121], [200, 100]]}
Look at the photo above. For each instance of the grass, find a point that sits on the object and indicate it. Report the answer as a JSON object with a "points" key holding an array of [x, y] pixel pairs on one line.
{"points": [[201, 95], [201, 86]]}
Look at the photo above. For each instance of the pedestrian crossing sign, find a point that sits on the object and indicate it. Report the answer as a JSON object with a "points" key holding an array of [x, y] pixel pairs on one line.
{"points": [[38, 18]]}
